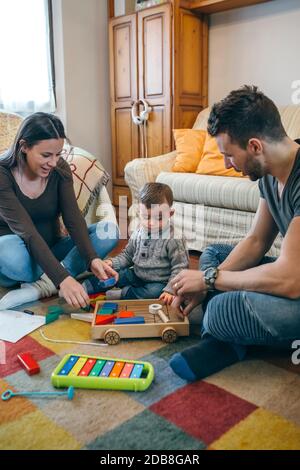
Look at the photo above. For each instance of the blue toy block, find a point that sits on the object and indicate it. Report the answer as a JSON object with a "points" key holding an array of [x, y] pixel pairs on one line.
{"points": [[111, 305], [106, 284], [129, 321]]}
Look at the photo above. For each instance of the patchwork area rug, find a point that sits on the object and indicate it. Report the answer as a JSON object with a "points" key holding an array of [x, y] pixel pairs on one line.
{"points": [[251, 405]]}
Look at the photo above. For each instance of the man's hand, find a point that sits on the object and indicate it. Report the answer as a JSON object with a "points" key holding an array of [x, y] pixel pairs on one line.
{"points": [[73, 293], [167, 298], [188, 281], [188, 302], [103, 270]]}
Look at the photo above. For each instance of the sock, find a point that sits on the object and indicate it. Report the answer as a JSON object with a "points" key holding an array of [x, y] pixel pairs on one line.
{"points": [[204, 359], [44, 285], [17, 297], [29, 292]]}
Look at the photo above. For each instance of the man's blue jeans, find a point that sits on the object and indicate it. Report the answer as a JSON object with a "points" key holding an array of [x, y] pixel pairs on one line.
{"points": [[135, 288], [17, 265], [248, 318]]}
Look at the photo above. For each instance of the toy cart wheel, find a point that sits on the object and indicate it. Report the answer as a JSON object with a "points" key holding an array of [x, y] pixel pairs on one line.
{"points": [[169, 335], [112, 337]]}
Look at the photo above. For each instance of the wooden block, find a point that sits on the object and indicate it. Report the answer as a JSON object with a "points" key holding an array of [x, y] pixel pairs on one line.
{"points": [[104, 319], [28, 363], [125, 314], [129, 321], [111, 305], [101, 296], [105, 311]]}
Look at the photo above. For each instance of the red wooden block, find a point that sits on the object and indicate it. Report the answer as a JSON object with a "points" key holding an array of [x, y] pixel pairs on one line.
{"points": [[104, 319], [125, 314], [28, 363], [94, 296]]}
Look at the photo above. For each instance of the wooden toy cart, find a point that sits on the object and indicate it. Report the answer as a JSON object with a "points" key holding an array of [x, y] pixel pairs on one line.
{"points": [[176, 324]]}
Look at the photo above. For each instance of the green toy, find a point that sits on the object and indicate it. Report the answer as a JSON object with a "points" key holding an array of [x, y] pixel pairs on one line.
{"points": [[102, 373], [53, 313]]}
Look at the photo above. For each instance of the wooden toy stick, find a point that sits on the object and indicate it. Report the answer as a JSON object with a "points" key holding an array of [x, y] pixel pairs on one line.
{"points": [[156, 309]]}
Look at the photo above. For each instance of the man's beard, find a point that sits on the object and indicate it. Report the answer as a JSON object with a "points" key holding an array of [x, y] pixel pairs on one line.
{"points": [[255, 170]]}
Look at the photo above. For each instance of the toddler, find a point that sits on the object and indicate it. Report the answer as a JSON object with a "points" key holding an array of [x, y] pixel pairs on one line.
{"points": [[152, 257]]}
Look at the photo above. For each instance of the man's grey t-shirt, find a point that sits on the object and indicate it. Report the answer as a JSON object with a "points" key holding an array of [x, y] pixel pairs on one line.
{"points": [[287, 207]]}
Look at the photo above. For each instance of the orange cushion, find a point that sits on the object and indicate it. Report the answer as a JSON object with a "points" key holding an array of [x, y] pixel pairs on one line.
{"points": [[189, 147], [212, 161]]}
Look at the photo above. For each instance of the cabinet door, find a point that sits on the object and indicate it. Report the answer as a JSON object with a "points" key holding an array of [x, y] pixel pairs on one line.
{"points": [[154, 64], [123, 82], [190, 67]]}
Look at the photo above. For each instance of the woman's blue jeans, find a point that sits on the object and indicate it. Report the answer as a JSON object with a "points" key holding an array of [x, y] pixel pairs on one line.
{"points": [[17, 265], [248, 318]]}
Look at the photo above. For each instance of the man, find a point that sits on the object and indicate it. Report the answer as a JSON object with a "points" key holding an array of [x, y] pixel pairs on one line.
{"points": [[248, 298]]}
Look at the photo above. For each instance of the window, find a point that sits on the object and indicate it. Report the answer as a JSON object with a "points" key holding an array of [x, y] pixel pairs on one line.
{"points": [[26, 70]]}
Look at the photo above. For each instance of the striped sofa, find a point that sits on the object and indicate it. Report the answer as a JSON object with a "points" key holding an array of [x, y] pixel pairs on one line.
{"points": [[208, 209]]}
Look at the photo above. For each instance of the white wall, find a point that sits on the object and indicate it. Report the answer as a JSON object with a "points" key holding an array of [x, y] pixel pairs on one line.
{"points": [[82, 74], [255, 45]]}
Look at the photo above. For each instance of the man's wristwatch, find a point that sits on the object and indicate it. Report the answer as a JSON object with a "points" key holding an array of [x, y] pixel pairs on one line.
{"points": [[210, 276]]}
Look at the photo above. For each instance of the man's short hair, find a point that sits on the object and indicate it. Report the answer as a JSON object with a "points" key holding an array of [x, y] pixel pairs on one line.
{"points": [[155, 193], [246, 113]]}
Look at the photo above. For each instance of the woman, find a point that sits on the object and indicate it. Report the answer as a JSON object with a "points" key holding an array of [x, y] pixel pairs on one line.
{"points": [[36, 187]]}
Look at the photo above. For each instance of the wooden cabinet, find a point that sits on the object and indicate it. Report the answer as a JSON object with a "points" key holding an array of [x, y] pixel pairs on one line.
{"points": [[216, 6], [159, 55]]}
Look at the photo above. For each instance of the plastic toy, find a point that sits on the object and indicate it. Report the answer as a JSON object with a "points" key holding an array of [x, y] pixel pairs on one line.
{"points": [[102, 373], [8, 394]]}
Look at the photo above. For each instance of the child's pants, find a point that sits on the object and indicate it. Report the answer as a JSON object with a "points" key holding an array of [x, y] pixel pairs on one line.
{"points": [[135, 288]]}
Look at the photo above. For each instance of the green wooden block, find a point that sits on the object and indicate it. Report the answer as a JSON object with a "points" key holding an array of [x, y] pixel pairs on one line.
{"points": [[51, 317], [105, 311], [55, 309]]}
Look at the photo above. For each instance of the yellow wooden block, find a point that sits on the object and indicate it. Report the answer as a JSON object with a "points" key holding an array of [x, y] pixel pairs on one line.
{"points": [[78, 366], [261, 430]]}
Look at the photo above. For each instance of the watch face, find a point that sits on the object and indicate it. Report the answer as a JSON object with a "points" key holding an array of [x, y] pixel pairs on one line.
{"points": [[210, 272]]}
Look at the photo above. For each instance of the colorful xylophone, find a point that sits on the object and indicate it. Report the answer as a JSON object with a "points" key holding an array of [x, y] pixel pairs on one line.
{"points": [[102, 373]]}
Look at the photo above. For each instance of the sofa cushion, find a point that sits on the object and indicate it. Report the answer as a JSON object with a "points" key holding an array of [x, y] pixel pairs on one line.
{"points": [[215, 191], [89, 177], [212, 161], [189, 146]]}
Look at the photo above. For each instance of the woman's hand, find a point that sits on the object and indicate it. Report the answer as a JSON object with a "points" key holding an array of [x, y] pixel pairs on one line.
{"points": [[167, 298], [103, 270], [188, 281], [73, 293], [188, 302]]}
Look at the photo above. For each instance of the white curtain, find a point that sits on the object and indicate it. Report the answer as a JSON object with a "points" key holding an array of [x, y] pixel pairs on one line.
{"points": [[26, 82]]}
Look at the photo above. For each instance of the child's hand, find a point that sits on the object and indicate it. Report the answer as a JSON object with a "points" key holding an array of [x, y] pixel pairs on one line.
{"points": [[167, 298]]}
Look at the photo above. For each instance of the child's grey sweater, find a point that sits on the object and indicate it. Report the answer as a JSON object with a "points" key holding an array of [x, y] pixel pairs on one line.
{"points": [[153, 260]]}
